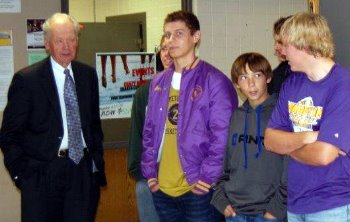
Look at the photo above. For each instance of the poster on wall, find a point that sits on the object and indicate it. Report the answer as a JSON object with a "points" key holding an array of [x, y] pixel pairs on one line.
{"points": [[36, 56], [5, 37], [10, 6], [119, 75], [6, 65], [35, 34]]}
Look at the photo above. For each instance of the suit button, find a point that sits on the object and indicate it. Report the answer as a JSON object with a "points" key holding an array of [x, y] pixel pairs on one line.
{"points": [[60, 138]]}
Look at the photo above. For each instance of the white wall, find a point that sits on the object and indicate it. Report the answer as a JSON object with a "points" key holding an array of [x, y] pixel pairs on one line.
{"points": [[229, 27], [232, 27], [156, 11]]}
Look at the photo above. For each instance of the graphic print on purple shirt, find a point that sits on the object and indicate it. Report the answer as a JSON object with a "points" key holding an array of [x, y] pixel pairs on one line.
{"points": [[304, 115], [173, 113]]}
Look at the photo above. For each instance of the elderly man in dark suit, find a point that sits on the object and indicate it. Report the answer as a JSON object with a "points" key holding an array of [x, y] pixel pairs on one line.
{"points": [[51, 133]]}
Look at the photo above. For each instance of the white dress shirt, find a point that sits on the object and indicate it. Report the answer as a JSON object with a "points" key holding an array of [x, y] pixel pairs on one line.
{"points": [[60, 78]]}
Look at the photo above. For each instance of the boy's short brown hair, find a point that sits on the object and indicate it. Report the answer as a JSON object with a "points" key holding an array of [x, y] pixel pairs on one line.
{"points": [[278, 25], [256, 63], [188, 18]]}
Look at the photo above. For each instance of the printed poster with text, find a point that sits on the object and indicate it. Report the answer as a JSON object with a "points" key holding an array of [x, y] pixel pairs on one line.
{"points": [[119, 75], [35, 34]]}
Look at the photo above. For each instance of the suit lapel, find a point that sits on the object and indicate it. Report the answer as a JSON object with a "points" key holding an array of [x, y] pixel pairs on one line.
{"points": [[80, 82], [49, 85]]}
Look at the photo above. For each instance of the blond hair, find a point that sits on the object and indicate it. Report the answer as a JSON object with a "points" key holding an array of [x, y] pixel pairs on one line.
{"points": [[309, 32]]}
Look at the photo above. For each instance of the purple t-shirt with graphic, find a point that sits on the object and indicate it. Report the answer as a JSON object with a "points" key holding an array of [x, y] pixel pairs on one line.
{"points": [[322, 106]]}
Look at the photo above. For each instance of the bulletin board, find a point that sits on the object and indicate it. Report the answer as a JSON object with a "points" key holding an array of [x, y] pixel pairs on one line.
{"points": [[15, 21]]}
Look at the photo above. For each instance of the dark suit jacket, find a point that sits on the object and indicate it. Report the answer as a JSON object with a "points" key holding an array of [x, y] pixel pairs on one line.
{"points": [[32, 128]]}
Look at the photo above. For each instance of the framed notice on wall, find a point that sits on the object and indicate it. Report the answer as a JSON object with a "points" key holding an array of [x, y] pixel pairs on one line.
{"points": [[6, 65], [10, 6], [119, 75], [35, 34]]}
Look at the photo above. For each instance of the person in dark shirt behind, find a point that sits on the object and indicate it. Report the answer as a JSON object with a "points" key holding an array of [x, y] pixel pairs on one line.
{"points": [[281, 72]]}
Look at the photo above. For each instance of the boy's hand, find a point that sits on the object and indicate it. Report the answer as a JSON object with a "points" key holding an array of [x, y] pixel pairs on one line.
{"points": [[200, 188], [153, 185], [229, 211], [267, 215]]}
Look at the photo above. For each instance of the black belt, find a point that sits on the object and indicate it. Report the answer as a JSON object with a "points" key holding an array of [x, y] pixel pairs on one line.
{"points": [[64, 153]]}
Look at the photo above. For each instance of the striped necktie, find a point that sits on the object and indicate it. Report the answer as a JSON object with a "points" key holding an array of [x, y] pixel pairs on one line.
{"points": [[75, 142]]}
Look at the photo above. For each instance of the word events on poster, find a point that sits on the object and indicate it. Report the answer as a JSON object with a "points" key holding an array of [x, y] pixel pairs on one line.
{"points": [[119, 75]]}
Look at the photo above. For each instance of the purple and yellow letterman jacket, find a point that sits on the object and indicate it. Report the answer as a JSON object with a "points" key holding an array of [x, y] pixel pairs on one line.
{"points": [[206, 101]]}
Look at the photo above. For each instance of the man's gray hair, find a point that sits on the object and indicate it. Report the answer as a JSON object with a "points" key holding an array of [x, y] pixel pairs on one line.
{"points": [[60, 16]]}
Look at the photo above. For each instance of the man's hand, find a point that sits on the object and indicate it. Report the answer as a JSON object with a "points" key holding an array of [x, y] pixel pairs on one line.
{"points": [[229, 211], [341, 152], [153, 185], [267, 215], [200, 188]]}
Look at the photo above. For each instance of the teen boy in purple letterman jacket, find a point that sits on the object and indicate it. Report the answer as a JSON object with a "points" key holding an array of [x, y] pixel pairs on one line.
{"points": [[186, 127]]}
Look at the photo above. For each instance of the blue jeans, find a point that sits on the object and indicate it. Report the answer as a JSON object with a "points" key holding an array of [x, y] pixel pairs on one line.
{"points": [[251, 218], [186, 208], [338, 214], [145, 207]]}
